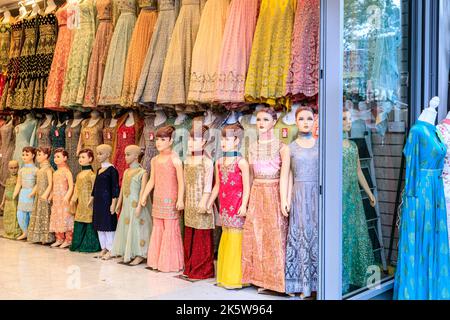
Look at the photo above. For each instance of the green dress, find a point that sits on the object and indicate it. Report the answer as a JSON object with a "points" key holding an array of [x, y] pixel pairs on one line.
{"points": [[133, 233], [357, 247], [10, 223]]}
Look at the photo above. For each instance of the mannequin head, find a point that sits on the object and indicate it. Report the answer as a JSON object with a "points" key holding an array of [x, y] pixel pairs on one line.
{"points": [[13, 167], [61, 156], [95, 114], [132, 153], [198, 136], [304, 118], [266, 119], [77, 114], [85, 157], [347, 120], [103, 152], [43, 154], [164, 138], [28, 155], [231, 137]]}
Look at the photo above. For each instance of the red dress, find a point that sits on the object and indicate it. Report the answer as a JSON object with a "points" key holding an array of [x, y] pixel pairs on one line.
{"points": [[125, 136]]}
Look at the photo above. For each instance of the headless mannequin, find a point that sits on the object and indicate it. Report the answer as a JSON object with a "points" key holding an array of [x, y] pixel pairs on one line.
{"points": [[429, 114], [361, 178], [289, 118], [35, 10], [48, 121], [130, 120], [6, 17], [22, 12], [132, 153], [77, 119], [51, 6], [160, 118], [181, 116], [94, 119], [233, 117], [209, 118]]}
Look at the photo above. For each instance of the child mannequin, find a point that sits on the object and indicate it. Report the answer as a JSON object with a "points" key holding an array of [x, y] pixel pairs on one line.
{"points": [[85, 239], [9, 204], [165, 252], [104, 199], [233, 185], [38, 231], [61, 221], [134, 227], [25, 183], [199, 225]]}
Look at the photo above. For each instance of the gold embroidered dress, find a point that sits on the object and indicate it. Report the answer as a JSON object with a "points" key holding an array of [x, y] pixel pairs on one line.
{"points": [[10, 223]]}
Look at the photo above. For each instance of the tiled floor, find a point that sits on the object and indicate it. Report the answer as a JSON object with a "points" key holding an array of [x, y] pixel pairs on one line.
{"points": [[31, 271]]}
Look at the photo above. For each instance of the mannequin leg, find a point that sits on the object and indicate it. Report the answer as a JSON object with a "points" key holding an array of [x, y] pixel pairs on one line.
{"points": [[23, 217], [59, 239], [154, 248]]}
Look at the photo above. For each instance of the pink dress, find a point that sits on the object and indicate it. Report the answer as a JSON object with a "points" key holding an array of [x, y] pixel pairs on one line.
{"points": [[303, 77], [166, 191], [125, 136], [235, 52], [61, 220], [59, 63]]}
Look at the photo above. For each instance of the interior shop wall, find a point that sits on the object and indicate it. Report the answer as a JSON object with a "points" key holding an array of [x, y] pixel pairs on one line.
{"points": [[444, 57]]}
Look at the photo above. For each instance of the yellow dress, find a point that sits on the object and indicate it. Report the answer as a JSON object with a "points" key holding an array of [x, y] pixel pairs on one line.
{"points": [[271, 51]]}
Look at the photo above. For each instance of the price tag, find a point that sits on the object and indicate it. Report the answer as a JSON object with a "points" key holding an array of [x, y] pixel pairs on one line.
{"points": [[56, 133], [40, 135], [124, 135], [69, 134], [152, 136], [86, 135], [285, 132], [108, 136]]}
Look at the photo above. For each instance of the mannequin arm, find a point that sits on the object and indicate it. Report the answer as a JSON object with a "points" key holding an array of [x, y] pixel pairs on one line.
{"points": [[2, 205], [245, 169], [33, 192], [363, 182], [47, 191], [149, 186], [208, 179], [290, 187], [18, 186], [143, 183], [215, 190], [69, 193], [118, 204], [180, 179], [284, 178]]}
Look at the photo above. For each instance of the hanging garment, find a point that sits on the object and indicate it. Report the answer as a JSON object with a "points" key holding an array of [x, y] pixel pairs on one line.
{"points": [[43, 135], [5, 44], [303, 76], [139, 43], [302, 251], [423, 257], [109, 133], [106, 187], [99, 53], [117, 54], [235, 52], [79, 57], [25, 136], [58, 140], [150, 77], [357, 254], [10, 222], [72, 136], [133, 233], [59, 63], [91, 137], [38, 230], [206, 52], [176, 74], [7, 143], [271, 53], [147, 142]]}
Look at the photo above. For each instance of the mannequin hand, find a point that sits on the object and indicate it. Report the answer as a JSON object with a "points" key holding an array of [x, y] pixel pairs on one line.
{"points": [[138, 211], [202, 207], [113, 210], [66, 200], [373, 201], [143, 202], [90, 203], [44, 197], [2, 206], [242, 212], [30, 196], [180, 205], [284, 208]]}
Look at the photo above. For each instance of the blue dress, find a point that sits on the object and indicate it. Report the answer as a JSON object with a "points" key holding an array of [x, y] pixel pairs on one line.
{"points": [[423, 261]]}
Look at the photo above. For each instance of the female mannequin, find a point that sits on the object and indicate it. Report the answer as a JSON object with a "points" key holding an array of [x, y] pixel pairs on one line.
{"points": [[104, 199], [9, 204], [73, 130], [22, 12], [85, 238], [268, 209], [165, 252], [233, 188], [25, 183], [51, 6], [423, 233], [134, 227], [302, 250], [61, 221], [199, 225], [25, 136], [91, 135], [357, 247], [38, 230], [43, 132]]}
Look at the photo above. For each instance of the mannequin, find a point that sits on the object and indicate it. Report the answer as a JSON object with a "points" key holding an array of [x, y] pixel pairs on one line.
{"points": [[258, 108], [6, 17], [57, 137], [22, 11], [232, 186], [72, 137], [429, 114], [168, 181], [181, 117], [51, 6], [43, 132], [48, 120], [147, 141], [91, 135], [134, 227], [182, 126], [160, 118], [9, 204], [233, 117], [61, 220], [286, 129], [290, 118], [301, 271], [85, 238], [357, 255], [26, 181], [109, 131], [199, 225], [38, 230], [77, 119], [35, 10], [104, 200], [209, 118], [130, 120], [269, 162]]}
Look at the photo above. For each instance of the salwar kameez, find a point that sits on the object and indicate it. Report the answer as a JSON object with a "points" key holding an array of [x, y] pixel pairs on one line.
{"points": [[10, 223]]}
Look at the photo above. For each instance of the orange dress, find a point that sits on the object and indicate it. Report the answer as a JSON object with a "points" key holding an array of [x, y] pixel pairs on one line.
{"points": [[61, 220]]}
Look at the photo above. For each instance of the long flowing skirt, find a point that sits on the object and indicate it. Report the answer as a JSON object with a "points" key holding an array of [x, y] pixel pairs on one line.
{"points": [[140, 41], [97, 63], [39, 227], [229, 262], [115, 64], [264, 238], [198, 253], [423, 261], [206, 52], [85, 238], [10, 222]]}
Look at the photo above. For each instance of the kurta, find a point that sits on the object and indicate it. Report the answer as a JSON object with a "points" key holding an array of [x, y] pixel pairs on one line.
{"points": [[423, 260], [27, 175], [38, 229], [106, 187], [10, 223], [43, 135], [72, 137], [7, 142], [25, 136], [133, 233], [61, 219], [91, 137], [147, 142], [109, 133]]}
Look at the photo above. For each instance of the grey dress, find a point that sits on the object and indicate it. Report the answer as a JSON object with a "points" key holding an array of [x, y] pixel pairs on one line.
{"points": [[302, 252]]}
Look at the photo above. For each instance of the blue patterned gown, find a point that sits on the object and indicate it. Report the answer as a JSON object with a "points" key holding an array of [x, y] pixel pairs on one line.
{"points": [[423, 260]]}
